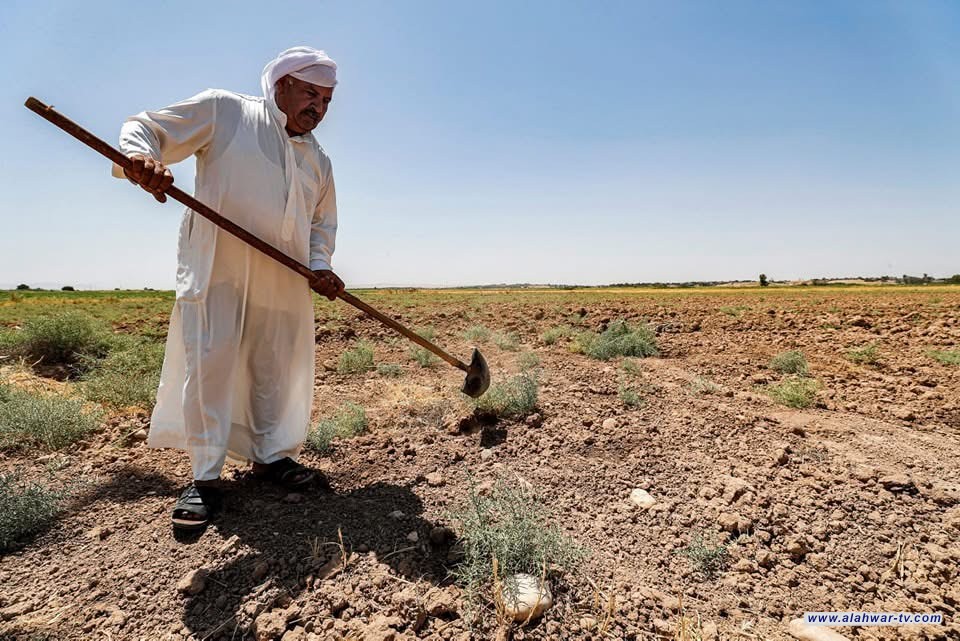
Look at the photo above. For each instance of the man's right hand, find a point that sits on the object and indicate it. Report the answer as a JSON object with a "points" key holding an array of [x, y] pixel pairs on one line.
{"points": [[150, 174]]}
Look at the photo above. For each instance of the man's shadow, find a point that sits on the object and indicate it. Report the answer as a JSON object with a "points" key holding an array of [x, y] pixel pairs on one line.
{"points": [[283, 548]]}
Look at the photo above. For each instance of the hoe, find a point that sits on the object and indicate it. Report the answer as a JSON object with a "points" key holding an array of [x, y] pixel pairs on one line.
{"points": [[478, 375]]}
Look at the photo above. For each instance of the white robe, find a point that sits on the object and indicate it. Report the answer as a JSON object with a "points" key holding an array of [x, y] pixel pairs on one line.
{"points": [[238, 370]]}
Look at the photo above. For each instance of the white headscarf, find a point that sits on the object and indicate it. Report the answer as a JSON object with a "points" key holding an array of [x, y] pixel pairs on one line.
{"points": [[310, 65], [306, 63]]}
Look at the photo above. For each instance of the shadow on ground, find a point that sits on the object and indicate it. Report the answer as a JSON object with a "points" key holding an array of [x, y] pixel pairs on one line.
{"points": [[280, 544]]}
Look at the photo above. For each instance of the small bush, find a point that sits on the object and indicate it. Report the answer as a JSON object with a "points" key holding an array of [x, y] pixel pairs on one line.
{"points": [[630, 367], [390, 370], [947, 357], [794, 392], [705, 559], [128, 376], [511, 525], [700, 385], [513, 399], [477, 333], [630, 397], [357, 360], [554, 334], [528, 360], [507, 341], [791, 362], [47, 421], [25, 509], [734, 310], [423, 356], [866, 355], [348, 421], [66, 338], [619, 339]]}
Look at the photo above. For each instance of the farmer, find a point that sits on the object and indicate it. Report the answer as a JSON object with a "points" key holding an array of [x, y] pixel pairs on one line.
{"points": [[238, 369]]}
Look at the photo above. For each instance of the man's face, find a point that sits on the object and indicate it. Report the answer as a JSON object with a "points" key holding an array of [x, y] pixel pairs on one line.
{"points": [[304, 104]]}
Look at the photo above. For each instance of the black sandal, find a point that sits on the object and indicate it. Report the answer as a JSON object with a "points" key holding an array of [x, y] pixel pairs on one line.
{"points": [[195, 507], [285, 472]]}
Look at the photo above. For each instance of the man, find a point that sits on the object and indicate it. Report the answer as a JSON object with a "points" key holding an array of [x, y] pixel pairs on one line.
{"points": [[238, 369]]}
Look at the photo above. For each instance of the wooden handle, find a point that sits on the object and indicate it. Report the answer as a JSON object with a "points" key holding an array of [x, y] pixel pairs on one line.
{"points": [[87, 138]]}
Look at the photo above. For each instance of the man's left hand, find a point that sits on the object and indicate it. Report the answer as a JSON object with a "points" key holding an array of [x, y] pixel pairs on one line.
{"points": [[328, 284]]}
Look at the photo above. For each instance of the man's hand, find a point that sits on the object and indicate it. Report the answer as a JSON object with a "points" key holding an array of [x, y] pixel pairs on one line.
{"points": [[328, 284], [150, 174]]}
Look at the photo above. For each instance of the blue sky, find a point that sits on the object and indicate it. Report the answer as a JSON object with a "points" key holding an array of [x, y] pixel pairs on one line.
{"points": [[562, 142]]}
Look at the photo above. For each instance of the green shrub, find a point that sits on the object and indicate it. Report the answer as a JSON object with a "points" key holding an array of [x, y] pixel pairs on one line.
{"points": [[700, 385], [25, 509], [507, 341], [791, 362], [629, 396], [528, 360], [734, 310], [554, 334], [357, 360], [390, 370], [794, 392], [866, 355], [423, 356], [706, 560], [477, 333], [511, 525], [947, 357], [619, 339], [47, 421], [128, 376], [348, 421], [515, 398], [630, 367], [63, 338]]}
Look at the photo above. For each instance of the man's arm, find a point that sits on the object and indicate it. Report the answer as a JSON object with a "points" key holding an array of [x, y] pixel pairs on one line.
{"points": [[153, 139], [323, 238]]}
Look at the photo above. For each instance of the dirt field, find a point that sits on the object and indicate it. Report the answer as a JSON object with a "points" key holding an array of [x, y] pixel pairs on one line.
{"points": [[850, 504]]}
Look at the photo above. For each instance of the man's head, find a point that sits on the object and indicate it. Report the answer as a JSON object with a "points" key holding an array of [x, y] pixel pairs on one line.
{"points": [[305, 104], [300, 83]]}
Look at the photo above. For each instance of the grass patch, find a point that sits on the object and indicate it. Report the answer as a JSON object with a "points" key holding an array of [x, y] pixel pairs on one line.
{"points": [[734, 310], [554, 334], [619, 339], [47, 421], [528, 360], [706, 560], [348, 421], [866, 355], [421, 355], [128, 376], [507, 341], [945, 356], [390, 370], [477, 334], [25, 509], [630, 367], [794, 392], [511, 525], [629, 396], [357, 359], [63, 338], [700, 385], [792, 362], [514, 398]]}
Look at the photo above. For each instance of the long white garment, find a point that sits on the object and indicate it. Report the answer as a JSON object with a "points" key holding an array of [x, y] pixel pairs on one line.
{"points": [[239, 363]]}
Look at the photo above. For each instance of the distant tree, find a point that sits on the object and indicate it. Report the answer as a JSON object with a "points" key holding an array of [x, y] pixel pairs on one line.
{"points": [[955, 278], [763, 280], [67, 288], [22, 287]]}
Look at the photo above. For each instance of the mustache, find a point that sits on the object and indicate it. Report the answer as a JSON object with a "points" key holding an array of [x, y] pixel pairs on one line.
{"points": [[311, 112]]}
